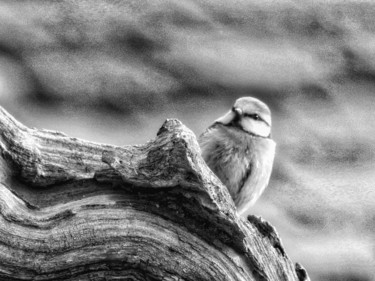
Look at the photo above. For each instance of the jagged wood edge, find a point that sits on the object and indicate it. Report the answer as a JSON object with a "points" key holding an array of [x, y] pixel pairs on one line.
{"points": [[43, 158]]}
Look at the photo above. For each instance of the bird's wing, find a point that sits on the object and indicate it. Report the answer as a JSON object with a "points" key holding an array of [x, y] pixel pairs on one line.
{"points": [[245, 178], [258, 175], [207, 131]]}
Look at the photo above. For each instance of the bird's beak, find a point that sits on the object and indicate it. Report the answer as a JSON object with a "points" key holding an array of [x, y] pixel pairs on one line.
{"points": [[231, 116], [237, 111]]}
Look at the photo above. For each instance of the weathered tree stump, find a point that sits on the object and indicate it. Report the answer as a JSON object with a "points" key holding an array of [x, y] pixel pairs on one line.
{"points": [[77, 210]]}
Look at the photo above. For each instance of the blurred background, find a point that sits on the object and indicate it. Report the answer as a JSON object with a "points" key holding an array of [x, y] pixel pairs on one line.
{"points": [[112, 71]]}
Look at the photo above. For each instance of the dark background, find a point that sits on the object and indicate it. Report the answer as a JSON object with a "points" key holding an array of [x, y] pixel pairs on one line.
{"points": [[113, 71]]}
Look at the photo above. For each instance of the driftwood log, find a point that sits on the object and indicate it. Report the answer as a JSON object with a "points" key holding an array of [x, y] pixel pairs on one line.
{"points": [[76, 210]]}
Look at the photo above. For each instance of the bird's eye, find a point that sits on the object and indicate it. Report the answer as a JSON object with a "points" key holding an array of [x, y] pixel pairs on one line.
{"points": [[253, 116]]}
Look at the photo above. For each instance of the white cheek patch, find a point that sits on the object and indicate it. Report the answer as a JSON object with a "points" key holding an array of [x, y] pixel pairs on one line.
{"points": [[256, 127]]}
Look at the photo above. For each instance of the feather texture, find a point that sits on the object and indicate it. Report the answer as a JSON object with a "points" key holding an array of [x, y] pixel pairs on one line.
{"points": [[242, 161]]}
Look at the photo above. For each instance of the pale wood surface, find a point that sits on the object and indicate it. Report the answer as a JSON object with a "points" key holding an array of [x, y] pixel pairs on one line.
{"points": [[76, 210]]}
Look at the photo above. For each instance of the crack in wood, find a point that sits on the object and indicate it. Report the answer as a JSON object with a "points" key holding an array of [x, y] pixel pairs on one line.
{"points": [[77, 210]]}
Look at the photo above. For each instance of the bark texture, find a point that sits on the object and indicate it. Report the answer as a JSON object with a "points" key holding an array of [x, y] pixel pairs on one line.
{"points": [[76, 210]]}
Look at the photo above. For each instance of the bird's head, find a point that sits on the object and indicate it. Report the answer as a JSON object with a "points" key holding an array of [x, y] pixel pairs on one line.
{"points": [[250, 115]]}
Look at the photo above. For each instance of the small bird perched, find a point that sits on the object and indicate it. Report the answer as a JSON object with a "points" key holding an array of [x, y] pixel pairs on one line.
{"points": [[238, 148]]}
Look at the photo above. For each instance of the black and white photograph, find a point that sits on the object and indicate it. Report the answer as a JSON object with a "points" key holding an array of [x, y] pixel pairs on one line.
{"points": [[187, 140]]}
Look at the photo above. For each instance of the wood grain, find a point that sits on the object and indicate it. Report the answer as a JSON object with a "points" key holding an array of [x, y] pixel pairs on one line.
{"points": [[77, 210]]}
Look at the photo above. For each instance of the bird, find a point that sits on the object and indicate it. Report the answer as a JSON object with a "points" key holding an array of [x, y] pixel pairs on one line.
{"points": [[239, 149]]}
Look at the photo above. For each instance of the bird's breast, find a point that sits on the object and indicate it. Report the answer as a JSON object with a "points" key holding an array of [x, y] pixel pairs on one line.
{"points": [[241, 161]]}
